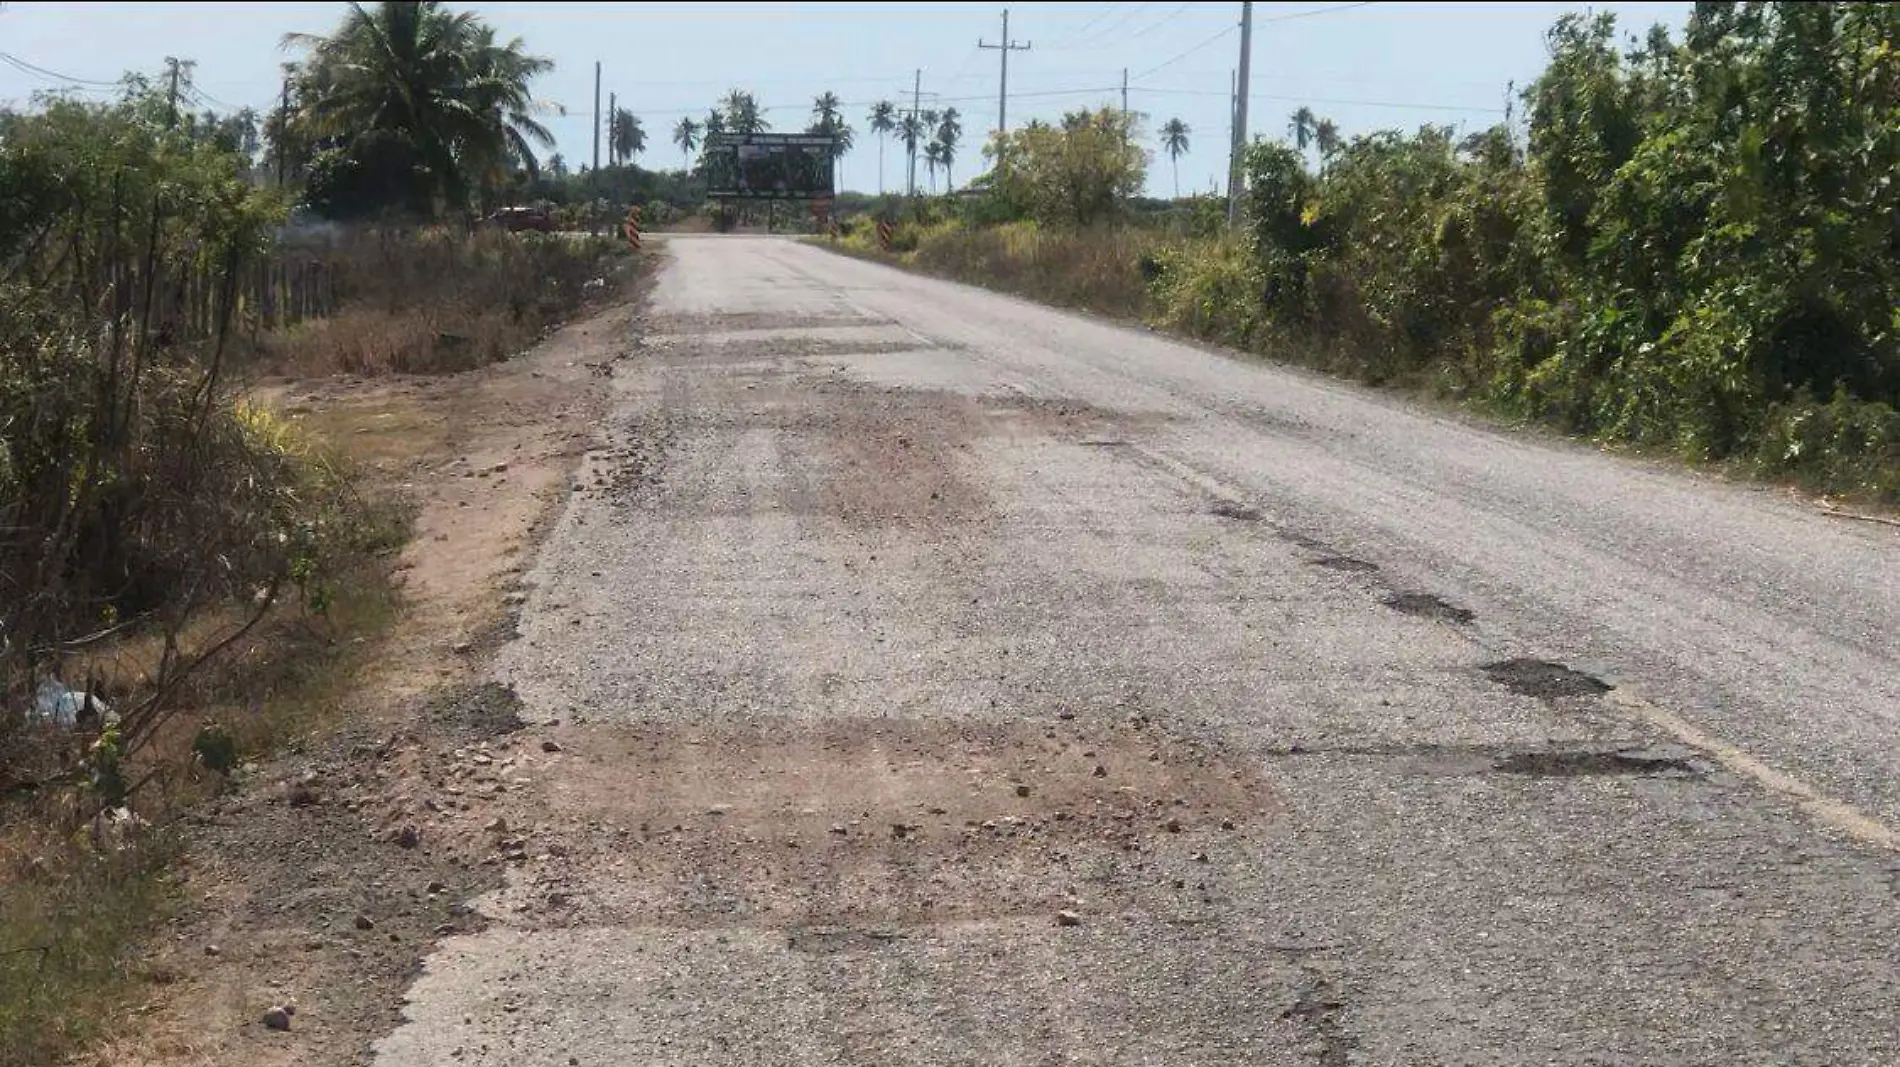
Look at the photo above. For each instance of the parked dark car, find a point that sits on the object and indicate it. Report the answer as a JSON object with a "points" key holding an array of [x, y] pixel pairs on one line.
{"points": [[517, 219]]}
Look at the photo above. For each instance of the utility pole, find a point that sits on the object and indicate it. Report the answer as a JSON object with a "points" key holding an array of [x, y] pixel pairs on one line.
{"points": [[283, 125], [916, 105], [171, 97], [596, 114], [613, 108], [1240, 113], [1005, 46], [1124, 90]]}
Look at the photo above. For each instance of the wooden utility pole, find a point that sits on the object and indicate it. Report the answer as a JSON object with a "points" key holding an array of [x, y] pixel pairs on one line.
{"points": [[1240, 114], [283, 126], [1005, 47], [1124, 90]]}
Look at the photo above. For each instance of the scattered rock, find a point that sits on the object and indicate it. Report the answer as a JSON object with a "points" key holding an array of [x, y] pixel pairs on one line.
{"points": [[408, 837], [364, 922], [1227, 824], [1200, 857], [213, 950], [1022, 790], [550, 745], [278, 1018], [1174, 826], [300, 795], [462, 648], [437, 887], [1101, 771], [900, 830], [1068, 918], [839, 829], [497, 825]]}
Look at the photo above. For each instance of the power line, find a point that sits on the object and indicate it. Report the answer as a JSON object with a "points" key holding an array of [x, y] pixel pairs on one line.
{"points": [[1178, 58], [1165, 19], [30, 68], [1411, 105], [1111, 29], [1320, 11], [1062, 42]]}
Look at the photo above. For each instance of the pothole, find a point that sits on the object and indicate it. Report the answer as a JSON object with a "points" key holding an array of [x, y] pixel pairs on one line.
{"points": [[1429, 606], [1347, 564], [1231, 509], [1544, 680], [1591, 764]]}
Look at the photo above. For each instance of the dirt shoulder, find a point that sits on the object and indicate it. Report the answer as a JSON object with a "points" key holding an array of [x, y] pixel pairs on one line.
{"points": [[323, 879]]}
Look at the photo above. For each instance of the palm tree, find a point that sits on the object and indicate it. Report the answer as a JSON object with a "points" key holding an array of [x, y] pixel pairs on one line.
{"points": [[1326, 136], [743, 114], [686, 135], [430, 86], [824, 109], [910, 130], [828, 121], [715, 123], [1301, 125], [933, 158], [1174, 141], [883, 122], [949, 131], [625, 137]]}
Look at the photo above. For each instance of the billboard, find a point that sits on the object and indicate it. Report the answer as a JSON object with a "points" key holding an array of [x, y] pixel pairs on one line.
{"points": [[768, 166]]}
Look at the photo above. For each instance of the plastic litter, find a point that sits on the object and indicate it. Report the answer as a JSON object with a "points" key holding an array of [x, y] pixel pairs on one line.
{"points": [[60, 706]]}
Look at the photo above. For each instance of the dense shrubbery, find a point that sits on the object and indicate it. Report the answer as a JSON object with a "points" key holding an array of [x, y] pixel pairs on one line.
{"points": [[137, 501], [1699, 247]]}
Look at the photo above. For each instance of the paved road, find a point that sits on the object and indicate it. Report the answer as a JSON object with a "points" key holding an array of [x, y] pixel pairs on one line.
{"points": [[952, 680]]}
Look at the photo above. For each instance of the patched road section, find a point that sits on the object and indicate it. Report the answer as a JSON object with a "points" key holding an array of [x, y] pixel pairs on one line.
{"points": [[945, 680]]}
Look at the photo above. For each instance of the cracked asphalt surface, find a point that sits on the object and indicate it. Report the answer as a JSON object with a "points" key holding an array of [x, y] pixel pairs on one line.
{"points": [[943, 679]]}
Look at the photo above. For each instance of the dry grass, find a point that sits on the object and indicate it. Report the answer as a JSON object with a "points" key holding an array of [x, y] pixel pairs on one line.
{"points": [[430, 302], [1098, 270]]}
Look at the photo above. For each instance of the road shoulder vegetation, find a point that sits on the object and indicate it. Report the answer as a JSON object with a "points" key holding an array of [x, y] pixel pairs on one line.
{"points": [[260, 479], [1688, 247]]}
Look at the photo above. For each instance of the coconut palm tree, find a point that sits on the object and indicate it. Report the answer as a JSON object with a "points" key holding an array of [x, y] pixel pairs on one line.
{"points": [[1174, 141], [949, 131], [426, 85], [828, 121], [686, 135], [625, 137], [1326, 137], [933, 158], [911, 131], [743, 114], [883, 122], [1301, 126]]}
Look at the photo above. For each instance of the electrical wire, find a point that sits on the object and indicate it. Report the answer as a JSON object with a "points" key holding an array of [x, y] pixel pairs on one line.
{"points": [[1061, 43], [31, 68], [1320, 11], [1165, 64], [1410, 105], [1106, 32], [1165, 19]]}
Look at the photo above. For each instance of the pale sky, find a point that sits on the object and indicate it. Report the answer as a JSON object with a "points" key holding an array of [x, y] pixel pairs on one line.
{"points": [[1366, 66]]}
